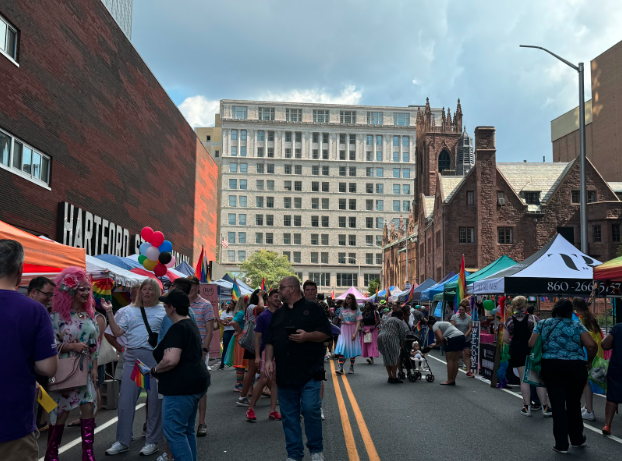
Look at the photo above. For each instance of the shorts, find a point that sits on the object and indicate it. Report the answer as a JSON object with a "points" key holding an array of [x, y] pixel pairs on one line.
{"points": [[467, 345], [263, 362], [248, 355], [455, 344], [23, 449]]}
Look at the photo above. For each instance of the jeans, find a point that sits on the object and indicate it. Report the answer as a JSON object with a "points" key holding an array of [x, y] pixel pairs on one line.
{"points": [[293, 402], [179, 415], [565, 380], [226, 337]]}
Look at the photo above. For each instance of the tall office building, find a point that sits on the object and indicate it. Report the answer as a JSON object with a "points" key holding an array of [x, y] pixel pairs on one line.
{"points": [[315, 182], [121, 11]]}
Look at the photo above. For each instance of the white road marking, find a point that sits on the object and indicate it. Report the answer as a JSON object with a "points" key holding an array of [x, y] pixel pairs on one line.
{"points": [[78, 441], [587, 426]]}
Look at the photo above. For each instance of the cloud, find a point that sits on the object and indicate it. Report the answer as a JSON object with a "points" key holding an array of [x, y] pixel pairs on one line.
{"points": [[200, 111]]}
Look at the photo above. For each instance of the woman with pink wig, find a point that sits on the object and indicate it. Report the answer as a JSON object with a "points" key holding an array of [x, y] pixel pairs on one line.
{"points": [[76, 332]]}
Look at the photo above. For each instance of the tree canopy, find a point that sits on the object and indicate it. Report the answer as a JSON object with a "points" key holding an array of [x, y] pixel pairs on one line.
{"points": [[268, 265], [373, 284]]}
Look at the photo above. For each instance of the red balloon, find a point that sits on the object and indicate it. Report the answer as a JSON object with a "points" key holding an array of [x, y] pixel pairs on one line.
{"points": [[157, 239], [146, 233], [160, 270]]}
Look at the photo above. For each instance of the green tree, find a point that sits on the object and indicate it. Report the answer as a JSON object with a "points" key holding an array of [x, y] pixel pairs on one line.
{"points": [[619, 252], [268, 265], [373, 284]]}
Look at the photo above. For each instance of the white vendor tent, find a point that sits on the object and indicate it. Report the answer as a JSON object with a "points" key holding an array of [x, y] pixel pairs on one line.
{"points": [[558, 268], [98, 269]]}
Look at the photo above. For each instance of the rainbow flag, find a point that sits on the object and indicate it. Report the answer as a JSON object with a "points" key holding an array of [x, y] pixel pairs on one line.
{"points": [[332, 294], [263, 284], [411, 294], [138, 375], [235, 291], [201, 272], [102, 288], [461, 288], [418, 327], [386, 298]]}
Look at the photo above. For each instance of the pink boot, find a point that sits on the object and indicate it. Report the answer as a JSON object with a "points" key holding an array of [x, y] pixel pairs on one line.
{"points": [[55, 434], [88, 434]]}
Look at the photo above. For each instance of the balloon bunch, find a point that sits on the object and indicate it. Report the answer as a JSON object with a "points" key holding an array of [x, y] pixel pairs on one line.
{"points": [[155, 253]]}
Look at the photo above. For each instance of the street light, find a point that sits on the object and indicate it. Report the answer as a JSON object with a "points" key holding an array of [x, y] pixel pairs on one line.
{"points": [[583, 211]]}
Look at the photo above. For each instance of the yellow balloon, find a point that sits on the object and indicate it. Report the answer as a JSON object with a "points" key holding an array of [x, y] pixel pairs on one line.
{"points": [[149, 264]]}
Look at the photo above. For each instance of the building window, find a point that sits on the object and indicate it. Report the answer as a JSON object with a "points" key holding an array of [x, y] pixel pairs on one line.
{"points": [[261, 168], [298, 136], [369, 172], [369, 140], [232, 219], [597, 233], [243, 167], [467, 234], [396, 157], [270, 168], [342, 186], [321, 278], [348, 117], [369, 258], [405, 205], [325, 240], [298, 169], [287, 202], [591, 196], [287, 221], [352, 222], [242, 135], [405, 157], [379, 258], [260, 152], [297, 257], [315, 170], [470, 197], [270, 136], [234, 151], [259, 220], [405, 141], [532, 198], [505, 235], [270, 202], [352, 171], [324, 221], [352, 188], [261, 135], [346, 279], [325, 187], [325, 154], [444, 161], [287, 254], [342, 171], [231, 255], [266, 113], [238, 112], [315, 257], [315, 240], [369, 223], [379, 172], [315, 155], [576, 196], [297, 202], [374, 118], [324, 138], [241, 237], [320, 116], [259, 202], [379, 140], [341, 257], [234, 135], [352, 204], [315, 221], [401, 119], [369, 277], [396, 205], [231, 237], [342, 203], [379, 188], [288, 185], [287, 239], [8, 39], [369, 188], [298, 186], [297, 220], [325, 171], [293, 115], [242, 219], [352, 240], [325, 204], [259, 237], [243, 202], [379, 224], [396, 172], [242, 255], [615, 232], [22, 159], [243, 184], [369, 205], [217, 153], [315, 186], [233, 184], [270, 150], [269, 220], [405, 188], [298, 153], [269, 238]]}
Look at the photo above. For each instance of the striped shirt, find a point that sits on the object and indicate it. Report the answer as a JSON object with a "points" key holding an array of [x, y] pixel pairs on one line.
{"points": [[204, 313]]}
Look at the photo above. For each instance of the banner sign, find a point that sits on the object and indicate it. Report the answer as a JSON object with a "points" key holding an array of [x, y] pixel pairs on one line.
{"points": [[209, 292], [487, 363], [475, 347]]}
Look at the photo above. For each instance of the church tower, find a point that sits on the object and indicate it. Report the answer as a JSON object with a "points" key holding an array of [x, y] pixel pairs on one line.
{"points": [[466, 157]]}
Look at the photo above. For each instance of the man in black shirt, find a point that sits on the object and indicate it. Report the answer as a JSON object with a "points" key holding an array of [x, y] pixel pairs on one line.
{"points": [[295, 338]]}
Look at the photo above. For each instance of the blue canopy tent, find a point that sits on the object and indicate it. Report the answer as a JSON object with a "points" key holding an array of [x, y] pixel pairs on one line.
{"points": [[428, 294], [382, 294], [123, 263], [185, 268], [242, 285], [417, 293]]}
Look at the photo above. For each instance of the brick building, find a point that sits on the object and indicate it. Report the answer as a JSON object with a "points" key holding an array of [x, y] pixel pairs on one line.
{"points": [[502, 209], [603, 134], [91, 147]]}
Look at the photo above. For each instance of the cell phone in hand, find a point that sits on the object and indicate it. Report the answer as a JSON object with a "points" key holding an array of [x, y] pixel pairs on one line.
{"points": [[290, 330]]}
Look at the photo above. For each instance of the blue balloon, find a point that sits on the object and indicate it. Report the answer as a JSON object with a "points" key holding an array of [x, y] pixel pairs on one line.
{"points": [[144, 247], [166, 247]]}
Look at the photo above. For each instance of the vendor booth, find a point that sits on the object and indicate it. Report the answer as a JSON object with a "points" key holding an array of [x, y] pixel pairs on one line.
{"points": [[357, 294]]}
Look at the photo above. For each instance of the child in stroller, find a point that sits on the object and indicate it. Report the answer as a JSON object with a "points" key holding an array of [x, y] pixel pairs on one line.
{"points": [[405, 361], [416, 356], [420, 363]]}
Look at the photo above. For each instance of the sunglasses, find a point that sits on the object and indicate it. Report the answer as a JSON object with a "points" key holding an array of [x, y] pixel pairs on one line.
{"points": [[49, 294]]}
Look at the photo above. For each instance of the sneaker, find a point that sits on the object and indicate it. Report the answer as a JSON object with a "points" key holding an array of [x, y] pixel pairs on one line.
{"points": [[582, 444], [274, 415], [339, 370], [350, 372], [164, 457], [470, 375], [209, 368], [536, 407], [322, 414], [317, 456], [149, 449], [237, 389], [202, 430], [250, 415], [546, 411], [243, 402], [117, 448], [588, 416], [559, 450], [525, 411]]}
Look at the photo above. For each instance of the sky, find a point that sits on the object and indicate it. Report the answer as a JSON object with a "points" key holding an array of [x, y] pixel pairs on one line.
{"points": [[382, 52]]}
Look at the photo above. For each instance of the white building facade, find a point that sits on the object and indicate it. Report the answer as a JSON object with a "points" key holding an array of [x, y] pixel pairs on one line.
{"points": [[121, 11], [315, 182]]}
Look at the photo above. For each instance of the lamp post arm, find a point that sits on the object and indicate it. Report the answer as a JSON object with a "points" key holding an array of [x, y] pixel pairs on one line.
{"points": [[568, 63]]}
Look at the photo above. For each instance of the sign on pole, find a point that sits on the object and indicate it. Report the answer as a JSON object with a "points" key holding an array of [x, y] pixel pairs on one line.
{"points": [[475, 347]]}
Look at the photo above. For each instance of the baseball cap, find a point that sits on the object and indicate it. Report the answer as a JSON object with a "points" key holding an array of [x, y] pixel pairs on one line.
{"points": [[175, 298]]}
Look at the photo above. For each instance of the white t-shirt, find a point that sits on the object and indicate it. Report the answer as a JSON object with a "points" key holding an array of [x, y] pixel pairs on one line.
{"points": [[133, 324], [227, 316], [121, 339]]}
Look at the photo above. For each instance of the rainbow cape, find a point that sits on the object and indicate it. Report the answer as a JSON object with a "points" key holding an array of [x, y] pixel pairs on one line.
{"points": [[138, 375], [461, 288], [235, 291]]}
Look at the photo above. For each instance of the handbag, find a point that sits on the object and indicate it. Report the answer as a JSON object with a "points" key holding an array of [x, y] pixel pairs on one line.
{"points": [[598, 372], [107, 353], [153, 337], [368, 337], [247, 340], [533, 363], [72, 371]]}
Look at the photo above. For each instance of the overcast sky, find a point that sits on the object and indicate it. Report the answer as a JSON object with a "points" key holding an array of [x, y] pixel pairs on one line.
{"points": [[384, 52]]}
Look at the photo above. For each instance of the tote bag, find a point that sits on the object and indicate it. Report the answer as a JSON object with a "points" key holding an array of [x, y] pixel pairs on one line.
{"points": [[247, 340]]}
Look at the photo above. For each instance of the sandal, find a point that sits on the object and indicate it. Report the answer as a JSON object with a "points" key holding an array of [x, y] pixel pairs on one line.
{"points": [[76, 423]]}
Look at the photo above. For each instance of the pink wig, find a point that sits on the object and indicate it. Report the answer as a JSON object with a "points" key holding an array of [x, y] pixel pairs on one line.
{"points": [[63, 299]]}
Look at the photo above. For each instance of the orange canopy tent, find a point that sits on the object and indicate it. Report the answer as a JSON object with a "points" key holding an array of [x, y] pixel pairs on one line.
{"points": [[43, 257]]}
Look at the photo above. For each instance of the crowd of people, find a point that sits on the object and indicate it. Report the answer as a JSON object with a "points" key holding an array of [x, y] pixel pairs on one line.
{"points": [[56, 331]]}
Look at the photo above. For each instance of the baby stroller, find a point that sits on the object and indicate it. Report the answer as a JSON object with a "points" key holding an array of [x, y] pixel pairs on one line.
{"points": [[425, 365], [405, 362]]}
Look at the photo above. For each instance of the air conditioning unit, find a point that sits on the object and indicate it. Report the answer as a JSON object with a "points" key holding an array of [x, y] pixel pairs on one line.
{"points": [[501, 201]]}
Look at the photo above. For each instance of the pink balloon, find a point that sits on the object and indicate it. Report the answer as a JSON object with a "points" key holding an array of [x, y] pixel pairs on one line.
{"points": [[160, 270], [157, 239], [146, 233], [171, 263]]}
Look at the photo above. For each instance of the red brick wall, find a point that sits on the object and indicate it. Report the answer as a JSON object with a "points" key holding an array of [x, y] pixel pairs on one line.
{"points": [[119, 146]]}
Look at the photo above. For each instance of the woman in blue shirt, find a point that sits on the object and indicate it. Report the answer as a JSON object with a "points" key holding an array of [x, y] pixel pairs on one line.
{"points": [[564, 371]]}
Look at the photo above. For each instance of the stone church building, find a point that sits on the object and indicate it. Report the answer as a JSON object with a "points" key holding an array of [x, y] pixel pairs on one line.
{"points": [[466, 203]]}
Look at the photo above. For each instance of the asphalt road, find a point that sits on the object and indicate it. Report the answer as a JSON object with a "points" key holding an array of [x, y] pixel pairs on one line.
{"points": [[368, 419]]}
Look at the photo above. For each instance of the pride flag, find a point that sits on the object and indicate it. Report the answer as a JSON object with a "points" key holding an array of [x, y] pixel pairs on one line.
{"points": [[263, 284], [411, 294], [418, 327], [386, 298], [235, 291], [201, 272], [332, 294], [461, 288], [138, 375]]}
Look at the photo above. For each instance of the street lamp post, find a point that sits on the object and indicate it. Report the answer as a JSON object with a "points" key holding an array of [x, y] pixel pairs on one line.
{"points": [[582, 153]]}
